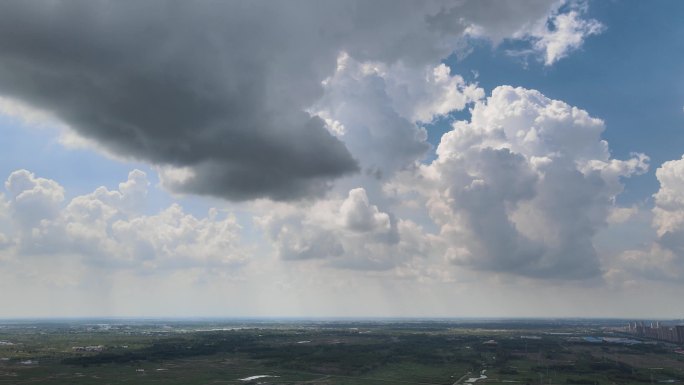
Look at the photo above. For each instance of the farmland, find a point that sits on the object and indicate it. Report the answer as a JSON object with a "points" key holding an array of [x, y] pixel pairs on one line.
{"points": [[331, 352]]}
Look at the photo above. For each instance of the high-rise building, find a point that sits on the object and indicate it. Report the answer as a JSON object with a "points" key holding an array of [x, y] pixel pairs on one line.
{"points": [[655, 330]]}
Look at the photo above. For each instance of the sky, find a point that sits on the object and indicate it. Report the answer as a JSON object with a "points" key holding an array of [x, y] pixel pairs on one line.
{"points": [[341, 159]]}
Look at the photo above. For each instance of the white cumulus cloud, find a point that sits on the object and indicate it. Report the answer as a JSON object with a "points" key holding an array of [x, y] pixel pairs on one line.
{"points": [[33, 199], [568, 33], [347, 233], [563, 32], [108, 227], [524, 186]]}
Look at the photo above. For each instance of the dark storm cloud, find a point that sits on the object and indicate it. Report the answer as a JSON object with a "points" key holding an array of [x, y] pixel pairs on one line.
{"points": [[219, 88], [177, 85]]}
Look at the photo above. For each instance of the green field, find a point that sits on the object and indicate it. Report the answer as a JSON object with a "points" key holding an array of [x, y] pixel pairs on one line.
{"points": [[436, 352]]}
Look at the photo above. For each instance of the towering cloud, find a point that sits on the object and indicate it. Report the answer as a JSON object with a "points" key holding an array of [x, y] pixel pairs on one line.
{"points": [[524, 186], [663, 258], [217, 93]]}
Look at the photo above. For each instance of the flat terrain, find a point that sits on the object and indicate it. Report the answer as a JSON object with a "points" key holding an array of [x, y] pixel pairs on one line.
{"points": [[331, 352]]}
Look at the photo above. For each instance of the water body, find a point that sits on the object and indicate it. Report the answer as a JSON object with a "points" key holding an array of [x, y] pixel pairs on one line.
{"points": [[256, 377]]}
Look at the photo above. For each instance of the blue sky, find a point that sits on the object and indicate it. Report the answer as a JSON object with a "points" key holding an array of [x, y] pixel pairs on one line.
{"points": [[630, 76], [291, 173]]}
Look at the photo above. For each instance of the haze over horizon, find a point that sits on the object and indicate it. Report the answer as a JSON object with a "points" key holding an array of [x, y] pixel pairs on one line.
{"points": [[342, 159]]}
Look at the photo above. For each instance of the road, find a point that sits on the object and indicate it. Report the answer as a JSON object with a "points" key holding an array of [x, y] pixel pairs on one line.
{"points": [[462, 378]]}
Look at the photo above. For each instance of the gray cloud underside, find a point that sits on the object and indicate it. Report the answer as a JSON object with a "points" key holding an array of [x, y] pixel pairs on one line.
{"points": [[219, 87]]}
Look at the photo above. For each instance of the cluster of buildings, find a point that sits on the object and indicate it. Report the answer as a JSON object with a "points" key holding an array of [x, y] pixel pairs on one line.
{"points": [[655, 330], [94, 348]]}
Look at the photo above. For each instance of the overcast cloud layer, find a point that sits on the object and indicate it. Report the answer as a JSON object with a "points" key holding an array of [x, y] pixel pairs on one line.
{"points": [[305, 125]]}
